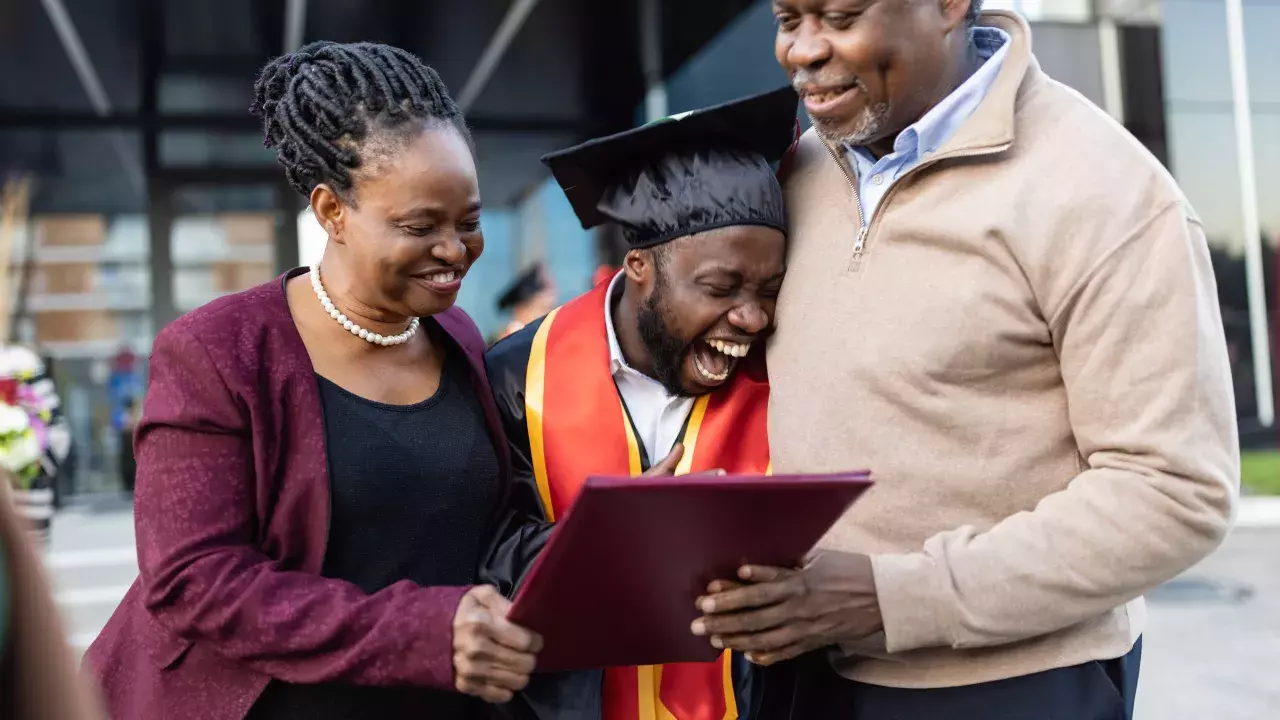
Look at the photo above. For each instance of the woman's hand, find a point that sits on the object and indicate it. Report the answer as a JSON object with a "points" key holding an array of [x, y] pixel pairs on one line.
{"points": [[492, 658]]}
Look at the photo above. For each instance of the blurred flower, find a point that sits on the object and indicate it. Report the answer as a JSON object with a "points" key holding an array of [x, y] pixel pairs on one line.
{"points": [[13, 420], [25, 413]]}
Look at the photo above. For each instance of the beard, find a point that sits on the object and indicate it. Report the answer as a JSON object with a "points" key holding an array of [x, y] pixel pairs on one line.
{"points": [[869, 125], [666, 350]]}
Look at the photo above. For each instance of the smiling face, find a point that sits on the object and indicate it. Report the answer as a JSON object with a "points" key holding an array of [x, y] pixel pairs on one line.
{"points": [[866, 69], [411, 228], [705, 300]]}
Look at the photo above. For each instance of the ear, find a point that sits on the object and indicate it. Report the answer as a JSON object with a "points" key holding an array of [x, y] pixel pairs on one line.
{"points": [[953, 13], [329, 210], [639, 267]]}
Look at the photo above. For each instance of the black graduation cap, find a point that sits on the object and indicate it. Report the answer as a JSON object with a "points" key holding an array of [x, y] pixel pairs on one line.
{"points": [[525, 286], [685, 174]]}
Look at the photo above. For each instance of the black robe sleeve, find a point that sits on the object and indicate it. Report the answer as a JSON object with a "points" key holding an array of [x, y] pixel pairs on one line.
{"points": [[522, 527], [522, 531]]}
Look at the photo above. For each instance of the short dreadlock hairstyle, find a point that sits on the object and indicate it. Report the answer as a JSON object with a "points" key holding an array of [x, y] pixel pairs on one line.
{"points": [[330, 108]]}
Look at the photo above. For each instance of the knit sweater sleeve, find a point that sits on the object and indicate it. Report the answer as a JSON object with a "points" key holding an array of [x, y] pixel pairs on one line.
{"points": [[1144, 362]]}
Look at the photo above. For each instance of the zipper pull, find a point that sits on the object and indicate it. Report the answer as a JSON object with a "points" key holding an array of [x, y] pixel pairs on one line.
{"points": [[860, 242]]}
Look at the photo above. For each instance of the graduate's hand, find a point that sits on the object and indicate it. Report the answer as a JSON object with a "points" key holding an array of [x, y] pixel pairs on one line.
{"points": [[775, 614], [668, 464], [492, 658], [671, 462]]}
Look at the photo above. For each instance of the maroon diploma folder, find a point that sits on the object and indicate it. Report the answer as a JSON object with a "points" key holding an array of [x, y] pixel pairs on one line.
{"points": [[616, 583]]}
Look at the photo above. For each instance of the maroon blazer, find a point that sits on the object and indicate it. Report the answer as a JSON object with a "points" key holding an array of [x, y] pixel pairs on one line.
{"points": [[232, 518]]}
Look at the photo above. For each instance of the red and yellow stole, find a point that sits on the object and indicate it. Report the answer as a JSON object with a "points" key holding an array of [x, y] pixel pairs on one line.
{"points": [[579, 427]]}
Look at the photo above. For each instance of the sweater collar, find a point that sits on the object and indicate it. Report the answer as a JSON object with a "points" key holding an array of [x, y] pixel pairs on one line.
{"points": [[991, 127]]}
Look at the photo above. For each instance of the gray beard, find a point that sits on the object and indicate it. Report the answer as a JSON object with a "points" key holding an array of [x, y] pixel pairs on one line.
{"points": [[870, 126]]}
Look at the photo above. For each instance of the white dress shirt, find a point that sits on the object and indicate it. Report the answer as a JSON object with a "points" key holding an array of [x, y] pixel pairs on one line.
{"points": [[658, 416]]}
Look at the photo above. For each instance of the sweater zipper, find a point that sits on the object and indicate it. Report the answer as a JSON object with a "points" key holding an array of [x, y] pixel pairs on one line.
{"points": [[860, 243]]}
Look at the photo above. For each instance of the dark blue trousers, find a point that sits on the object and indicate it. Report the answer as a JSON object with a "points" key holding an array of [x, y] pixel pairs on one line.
{"points": [[1103, 690]]}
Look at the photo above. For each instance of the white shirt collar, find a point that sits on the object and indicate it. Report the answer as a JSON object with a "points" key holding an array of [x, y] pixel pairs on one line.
{"points": [[616, 361]]}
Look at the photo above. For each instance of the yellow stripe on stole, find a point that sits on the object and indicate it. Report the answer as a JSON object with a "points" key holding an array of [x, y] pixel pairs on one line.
{"points": [[634, 464], [534, 387], [649, 679], [698, 412], [730, 697]]}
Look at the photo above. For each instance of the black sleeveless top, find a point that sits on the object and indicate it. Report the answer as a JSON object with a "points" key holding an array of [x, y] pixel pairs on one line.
{"points": [[413, 489]]}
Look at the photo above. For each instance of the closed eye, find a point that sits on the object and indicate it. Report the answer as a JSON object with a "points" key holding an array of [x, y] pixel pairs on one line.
{"points": [[841, 21]]}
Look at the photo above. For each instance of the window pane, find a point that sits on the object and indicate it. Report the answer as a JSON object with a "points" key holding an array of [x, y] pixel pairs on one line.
{"points": [[223, 241], [1045, 10], [230, 94], [198, 148]]}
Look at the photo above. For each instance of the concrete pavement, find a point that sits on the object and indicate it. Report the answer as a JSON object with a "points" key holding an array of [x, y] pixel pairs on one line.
{"points": [[1212, 646], [91, 562]]}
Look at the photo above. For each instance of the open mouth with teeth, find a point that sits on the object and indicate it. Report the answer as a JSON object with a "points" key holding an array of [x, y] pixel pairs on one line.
{"points": [[447, 276], [445, 280], [822, 99], [714, 360]]}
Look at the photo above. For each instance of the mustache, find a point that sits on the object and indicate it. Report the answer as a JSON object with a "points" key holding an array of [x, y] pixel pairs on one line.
{"points": [[802, 77]]}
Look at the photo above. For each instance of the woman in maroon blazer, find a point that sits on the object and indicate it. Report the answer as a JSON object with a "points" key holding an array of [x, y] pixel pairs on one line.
{"points": [[318, 468]]}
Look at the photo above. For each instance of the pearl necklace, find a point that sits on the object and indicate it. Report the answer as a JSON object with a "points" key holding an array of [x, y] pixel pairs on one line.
{"points": [[353, 328]]}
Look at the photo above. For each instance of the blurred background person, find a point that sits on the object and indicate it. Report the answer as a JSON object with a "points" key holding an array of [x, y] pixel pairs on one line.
{"points": [[123, 387], [128, 464], [530, 296], [123, 396], [320, 458]]}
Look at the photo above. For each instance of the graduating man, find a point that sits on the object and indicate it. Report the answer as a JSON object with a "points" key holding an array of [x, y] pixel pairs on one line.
{"points": [[659, 370]]}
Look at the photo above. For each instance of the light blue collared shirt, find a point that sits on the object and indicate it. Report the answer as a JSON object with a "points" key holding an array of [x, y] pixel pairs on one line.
{"points": [[926, 135]]}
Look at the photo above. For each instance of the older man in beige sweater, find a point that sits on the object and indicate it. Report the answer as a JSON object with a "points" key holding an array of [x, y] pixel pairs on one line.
{"points": [[1002, 305]]}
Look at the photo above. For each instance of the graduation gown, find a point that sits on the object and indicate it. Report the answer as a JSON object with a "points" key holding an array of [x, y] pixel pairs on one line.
{"points": [[565, 420]]}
